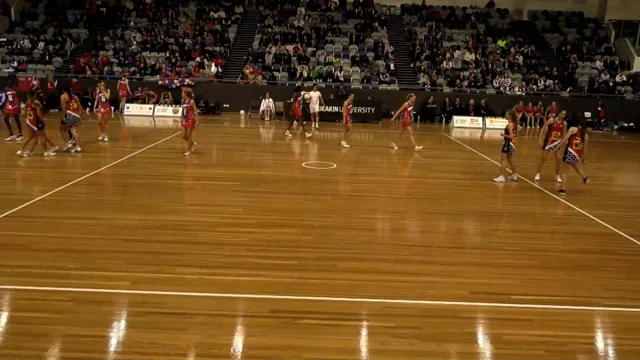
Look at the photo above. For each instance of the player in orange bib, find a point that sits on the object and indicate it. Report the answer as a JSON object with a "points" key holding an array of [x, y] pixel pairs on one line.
{"points": [[35, 122], [103, 109], [188, 120], [509, 148], [550, 137], [73, 113], [407, 118], [575, 153]]}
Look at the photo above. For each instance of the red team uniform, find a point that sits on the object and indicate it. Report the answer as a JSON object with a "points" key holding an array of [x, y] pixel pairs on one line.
{"points": [[12, 102], [574, 151], [74, 111], [188, 118], [349, 112], [33, 120], [122, 88], [529, 110], [103, 103], [553, 111], [555, 132], [407, 116], [297, 105]]}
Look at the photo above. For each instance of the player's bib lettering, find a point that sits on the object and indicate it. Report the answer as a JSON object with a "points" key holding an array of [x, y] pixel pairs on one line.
{"points": [[103, 98], [577, 144], [30, 115], [555, 136], [10, 97]]}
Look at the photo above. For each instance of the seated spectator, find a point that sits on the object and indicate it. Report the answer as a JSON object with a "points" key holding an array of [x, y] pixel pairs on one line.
{"points": [[267, 108], [166, 98], [385, 78], [339, 75]]}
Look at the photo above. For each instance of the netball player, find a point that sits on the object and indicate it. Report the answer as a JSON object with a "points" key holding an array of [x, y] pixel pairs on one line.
{"points": [[12, 110], [189, 120], [123, 92], [529, 114], [296, 113], [539, 115], [150, 97], [552, 111], [73, 113], [575, 153], [35, 122], [509, 148], [519, 109], [103, 109], [550, 137], [347, 110], [316, 101], [407, 118]]}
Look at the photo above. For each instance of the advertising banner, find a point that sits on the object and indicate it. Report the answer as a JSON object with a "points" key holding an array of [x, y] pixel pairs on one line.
{"points": [[138, 109], [167, 111], [473, 122], [495, 123]]}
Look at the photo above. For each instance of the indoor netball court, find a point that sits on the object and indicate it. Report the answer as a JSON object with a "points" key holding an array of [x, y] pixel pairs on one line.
{"points": [[259, 247]]}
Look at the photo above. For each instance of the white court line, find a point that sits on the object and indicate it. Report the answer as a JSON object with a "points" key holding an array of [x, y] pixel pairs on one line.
{"points": [[550, 193], [323, 298], [86, 176]]}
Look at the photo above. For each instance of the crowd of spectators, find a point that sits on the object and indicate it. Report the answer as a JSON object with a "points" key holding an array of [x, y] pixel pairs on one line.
{"points": [[319, 43], [163, 39], [44, 33]]}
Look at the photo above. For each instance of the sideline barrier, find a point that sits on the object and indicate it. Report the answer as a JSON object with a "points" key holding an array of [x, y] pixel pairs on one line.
{"points": [[167, 111], [473, 122], [138, 109], [151, 122]]}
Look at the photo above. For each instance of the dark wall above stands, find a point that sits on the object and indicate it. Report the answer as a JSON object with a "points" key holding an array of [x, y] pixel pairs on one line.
{"points": [[234, 97]]}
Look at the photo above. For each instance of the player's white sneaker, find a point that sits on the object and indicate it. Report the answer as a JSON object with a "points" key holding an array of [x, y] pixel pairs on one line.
{"points": [[558, 179], [308, 135], [513, 177], [345, 145], [193, 147], [25, 154], [499, 179], [49, 153], [537, 177], [106, 138], [76, 149], [188, 153], [418, 148], [10, 138], [20, 152], [101, 137], [53, 149], [68, 146], [288, 134], [394, 146], [20, 138]]}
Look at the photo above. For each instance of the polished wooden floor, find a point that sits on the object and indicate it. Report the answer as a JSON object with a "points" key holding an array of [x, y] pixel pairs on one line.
{"points": [[241, 252]]}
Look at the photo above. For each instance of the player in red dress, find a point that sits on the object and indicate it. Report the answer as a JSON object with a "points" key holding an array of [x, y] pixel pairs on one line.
{"points": [[508, 148], [519, 109], [552, 111], [73, 113], [103, 108], [575, 154], [12, 110], [553, 132], [539, 115], [347, 120], [189, 120], [35, 122], [123, 91], [529, 112], [296, 113], [407, 118]]}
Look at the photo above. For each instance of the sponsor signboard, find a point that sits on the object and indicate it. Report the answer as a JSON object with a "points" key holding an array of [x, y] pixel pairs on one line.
{"points": [[495, 123], [167, 111], [138, 109], [474, 122]]}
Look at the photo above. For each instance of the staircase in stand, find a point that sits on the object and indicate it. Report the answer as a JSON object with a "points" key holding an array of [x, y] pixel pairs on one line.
{"points": [[241, 44], [405, 73], [87, 46]]}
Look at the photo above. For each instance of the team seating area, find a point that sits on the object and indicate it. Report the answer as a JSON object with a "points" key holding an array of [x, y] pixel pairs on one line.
{"points": [[318, 43], [43, 36], [167, 38]]}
